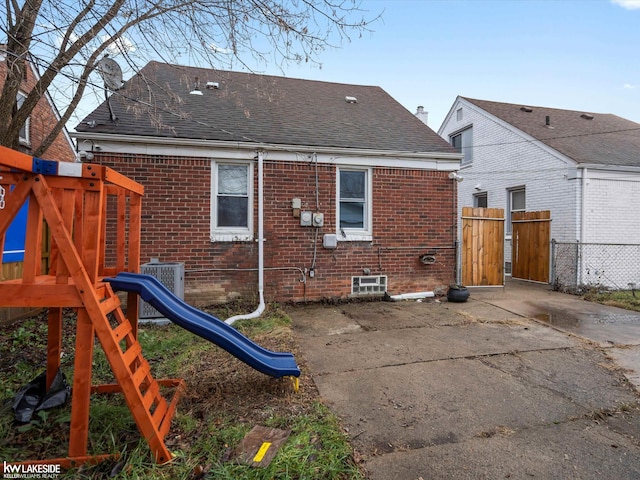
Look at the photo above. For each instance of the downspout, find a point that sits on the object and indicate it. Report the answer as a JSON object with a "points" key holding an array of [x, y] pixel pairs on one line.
{"points": [[457, 244], [409, 296], [583, 216], [261, 307]]}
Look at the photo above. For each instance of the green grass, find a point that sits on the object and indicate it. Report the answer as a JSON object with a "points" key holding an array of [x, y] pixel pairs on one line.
{"points": [[202, 436], [627, 299]]}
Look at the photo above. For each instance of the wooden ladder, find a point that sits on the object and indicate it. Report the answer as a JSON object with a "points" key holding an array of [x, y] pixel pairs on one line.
{"points": [[103, 317], [73, 200], [119, 341], [152, 413]]}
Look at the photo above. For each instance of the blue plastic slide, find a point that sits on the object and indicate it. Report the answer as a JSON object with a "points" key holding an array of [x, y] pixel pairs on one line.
{"points": [[205, 325]]}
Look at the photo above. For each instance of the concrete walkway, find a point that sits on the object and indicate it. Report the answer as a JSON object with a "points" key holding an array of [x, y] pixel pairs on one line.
{"points": [[615, 329], [481, 389]]}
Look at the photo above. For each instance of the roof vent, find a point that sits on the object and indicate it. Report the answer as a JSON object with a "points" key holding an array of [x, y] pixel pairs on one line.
{"points": [[526, 109], [212, 86], [196, 88], [587, 116], [349, 99]]}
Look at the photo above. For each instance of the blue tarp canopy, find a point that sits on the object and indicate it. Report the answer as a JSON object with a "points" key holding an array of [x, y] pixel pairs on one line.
{"points": [[14, 241]]}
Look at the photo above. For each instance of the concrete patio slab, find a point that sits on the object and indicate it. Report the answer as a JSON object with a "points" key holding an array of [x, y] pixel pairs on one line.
{"points": [[478, 390]]}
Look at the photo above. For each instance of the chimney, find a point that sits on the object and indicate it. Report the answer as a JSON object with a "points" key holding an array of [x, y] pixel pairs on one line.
{"points": [[422, 115]]}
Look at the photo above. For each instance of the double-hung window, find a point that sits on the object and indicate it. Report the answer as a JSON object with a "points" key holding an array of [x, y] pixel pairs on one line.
{"points": [[354, 214], [25, 138], [463, 143], [516, 202], [231, 202]]}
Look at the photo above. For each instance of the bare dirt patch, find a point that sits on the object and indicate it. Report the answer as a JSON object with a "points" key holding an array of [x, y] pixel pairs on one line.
{"points": [[219, 387], [218, 382]]}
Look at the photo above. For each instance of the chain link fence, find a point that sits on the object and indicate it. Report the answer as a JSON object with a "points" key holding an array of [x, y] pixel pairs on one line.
{"points": [[578, 266]]}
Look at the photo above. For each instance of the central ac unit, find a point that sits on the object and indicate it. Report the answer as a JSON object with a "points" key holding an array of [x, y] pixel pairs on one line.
{"points": [[171, 275]]}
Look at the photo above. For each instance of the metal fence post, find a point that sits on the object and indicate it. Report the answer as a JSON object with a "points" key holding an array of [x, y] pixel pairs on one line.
{"points": [[578, 264], [552, 276]]}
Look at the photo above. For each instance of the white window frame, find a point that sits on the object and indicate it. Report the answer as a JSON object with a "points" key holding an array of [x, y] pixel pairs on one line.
{"points": [[231, 234], [466, 144], [356, 234], [26, 138], [510, 210]]}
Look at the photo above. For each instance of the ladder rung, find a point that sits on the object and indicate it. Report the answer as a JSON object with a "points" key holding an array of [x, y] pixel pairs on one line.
{"points": [[132, 353], [160, 412], [122, 330], [151, 395], [141, 372], [110, 304]]}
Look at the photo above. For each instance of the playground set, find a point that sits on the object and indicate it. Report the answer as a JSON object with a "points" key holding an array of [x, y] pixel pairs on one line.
{"points": [[93, 214]]}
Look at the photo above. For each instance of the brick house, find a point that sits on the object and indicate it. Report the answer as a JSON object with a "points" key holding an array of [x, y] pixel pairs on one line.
{"points": [[583, 167], [36, 128], [355, 188], [44, 116]]}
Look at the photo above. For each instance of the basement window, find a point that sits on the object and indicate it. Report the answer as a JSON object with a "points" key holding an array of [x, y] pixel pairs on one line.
{"points": [[369, 285]]}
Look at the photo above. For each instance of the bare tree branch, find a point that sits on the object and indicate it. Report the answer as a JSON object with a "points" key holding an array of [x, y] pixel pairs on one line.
{"points": [[68, 37]]}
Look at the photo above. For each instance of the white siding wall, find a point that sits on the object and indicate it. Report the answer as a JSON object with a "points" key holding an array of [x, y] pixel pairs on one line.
{"points": [[504, 159], [611, 217], [612, 207]]}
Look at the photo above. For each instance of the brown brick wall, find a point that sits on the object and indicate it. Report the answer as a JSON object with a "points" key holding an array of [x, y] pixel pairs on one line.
{"points": [[413, 214], [41, 121]]}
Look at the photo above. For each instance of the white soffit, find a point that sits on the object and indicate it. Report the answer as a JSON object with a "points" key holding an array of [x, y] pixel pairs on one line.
{"points": [[244, 151]]}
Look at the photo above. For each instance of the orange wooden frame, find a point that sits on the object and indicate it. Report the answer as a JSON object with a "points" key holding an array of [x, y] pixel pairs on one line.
{"points": [[88, 243]]}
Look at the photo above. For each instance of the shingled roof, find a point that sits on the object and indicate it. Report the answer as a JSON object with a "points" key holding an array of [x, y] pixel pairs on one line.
{"points": [[585, 137], [247, 107]]}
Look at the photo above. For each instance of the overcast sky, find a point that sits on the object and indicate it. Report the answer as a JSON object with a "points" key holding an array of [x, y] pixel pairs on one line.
{"points": [[573, 54]]}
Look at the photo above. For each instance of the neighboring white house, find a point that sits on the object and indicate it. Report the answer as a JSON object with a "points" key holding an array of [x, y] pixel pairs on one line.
{"points": [[583, 167]]}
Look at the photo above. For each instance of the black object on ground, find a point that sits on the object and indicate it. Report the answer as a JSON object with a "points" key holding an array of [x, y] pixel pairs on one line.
{"points": [[457, 293], [34, 397]]}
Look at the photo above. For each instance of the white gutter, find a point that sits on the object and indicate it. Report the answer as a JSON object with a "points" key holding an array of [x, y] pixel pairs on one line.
{"points": [[113, 143], [261, 306], [614, 168]]}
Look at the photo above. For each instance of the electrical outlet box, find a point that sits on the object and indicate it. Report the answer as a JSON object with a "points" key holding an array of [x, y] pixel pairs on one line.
{"points": [[306, 219], [296, 205], [330, 241], [318, 219]]}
